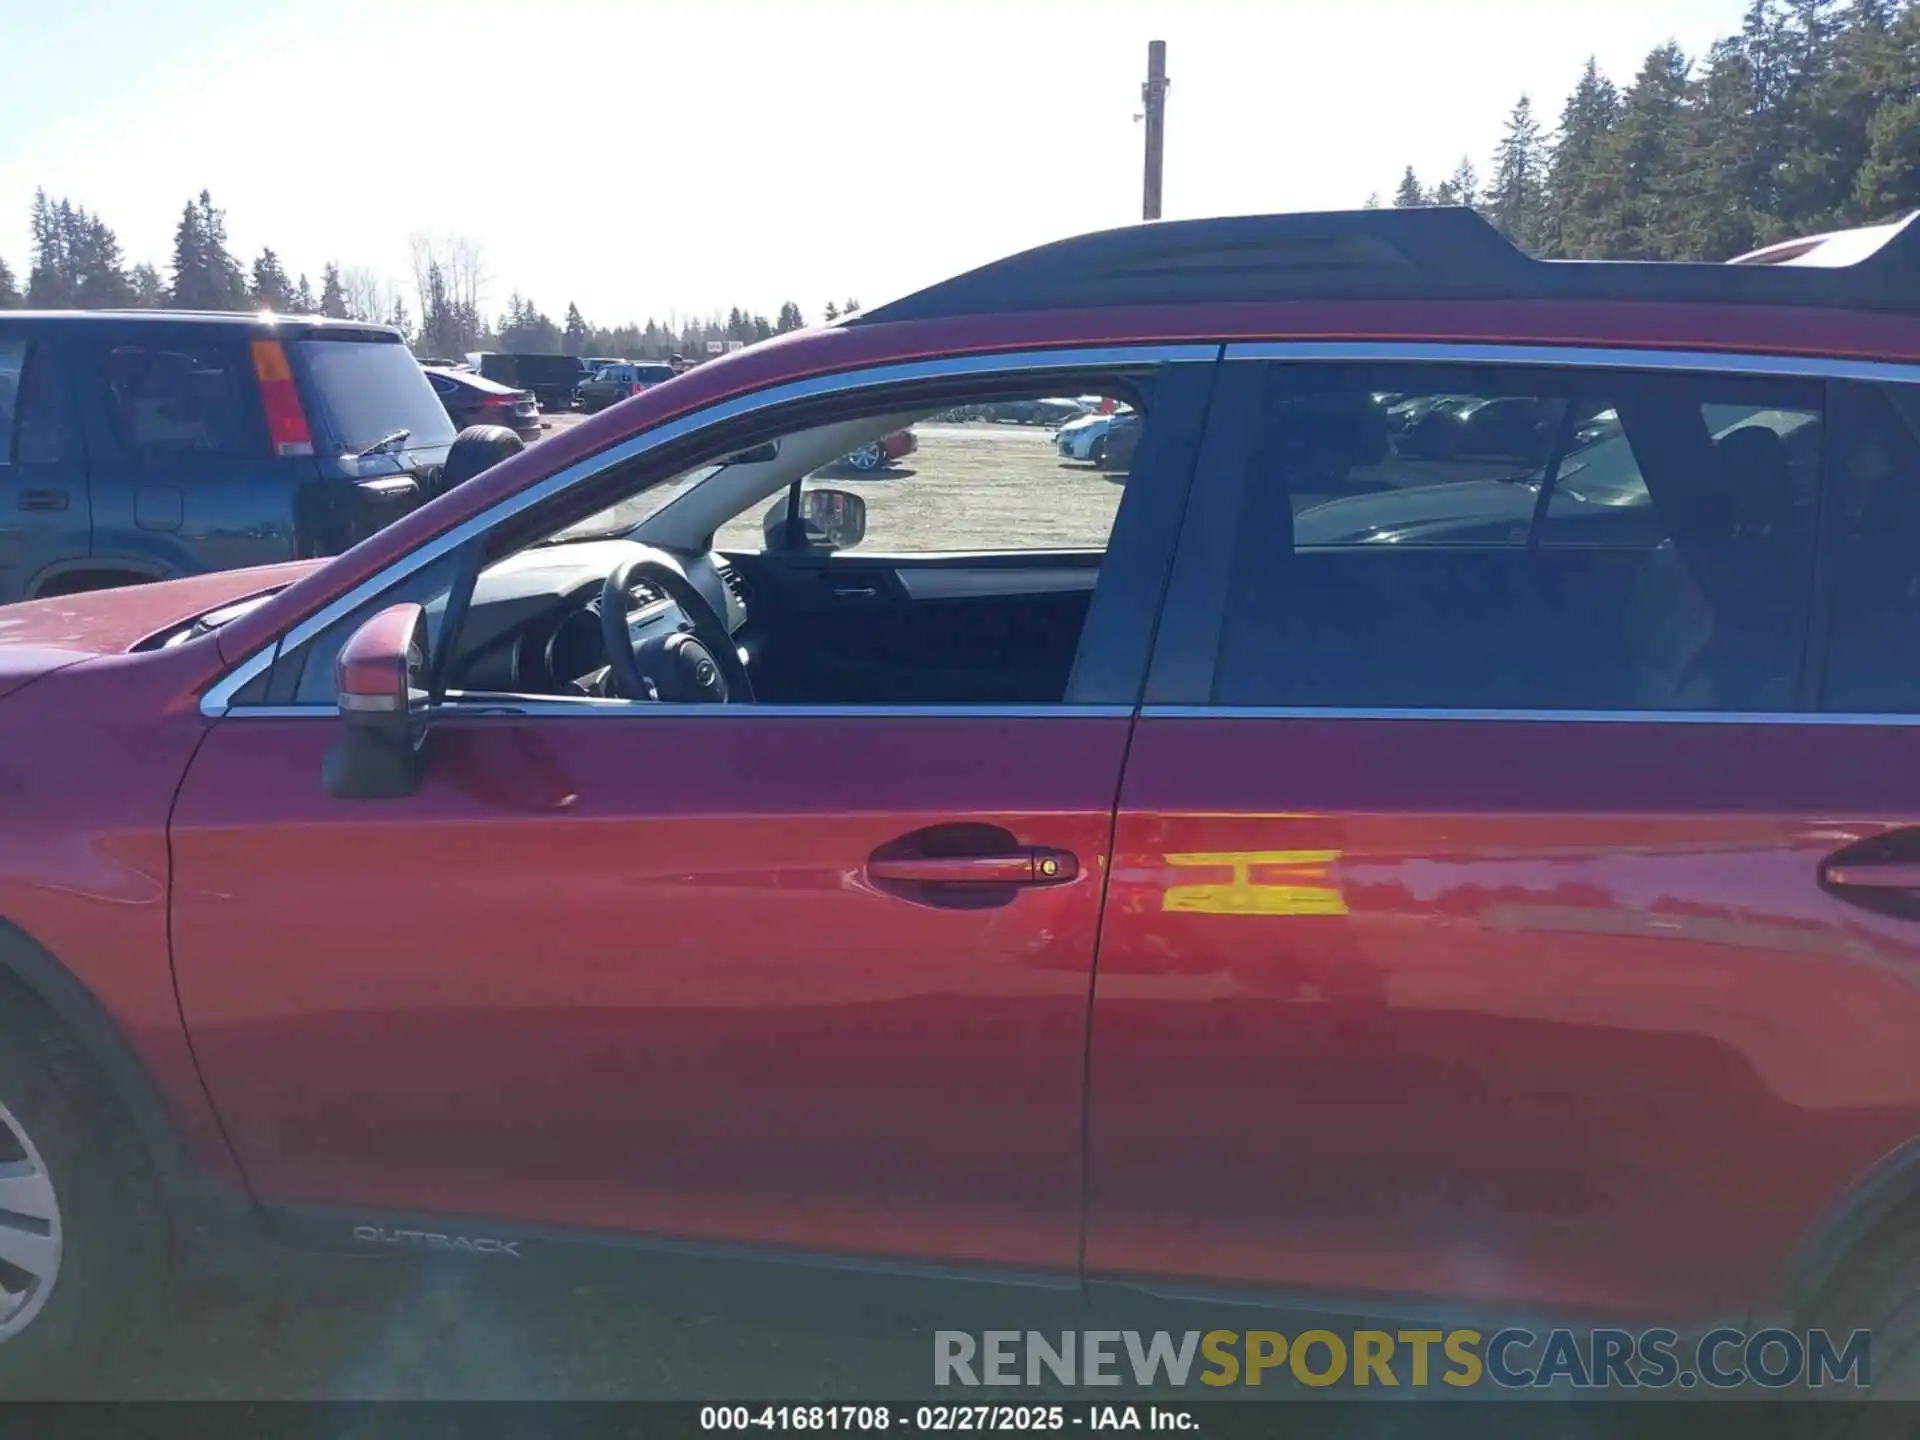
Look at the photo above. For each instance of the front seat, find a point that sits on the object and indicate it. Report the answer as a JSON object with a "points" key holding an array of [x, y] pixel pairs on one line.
{"points": [[1706, 609]]}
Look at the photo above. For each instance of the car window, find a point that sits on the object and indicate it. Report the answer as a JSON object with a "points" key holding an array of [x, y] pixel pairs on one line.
{"points": [[364, 390], [13, 362], [183, 399], [963, 480], [1506, 541], [1873, 646]]}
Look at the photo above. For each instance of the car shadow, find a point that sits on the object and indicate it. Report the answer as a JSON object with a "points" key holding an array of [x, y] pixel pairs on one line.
{"points": [[885, 472]]}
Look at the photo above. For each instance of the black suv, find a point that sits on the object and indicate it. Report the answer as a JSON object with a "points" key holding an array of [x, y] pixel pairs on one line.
{"points": [[143, 445]]}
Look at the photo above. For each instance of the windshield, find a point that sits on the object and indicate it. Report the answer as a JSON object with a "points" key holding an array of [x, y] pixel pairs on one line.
{"points": [[623, 515], [367, 389]]}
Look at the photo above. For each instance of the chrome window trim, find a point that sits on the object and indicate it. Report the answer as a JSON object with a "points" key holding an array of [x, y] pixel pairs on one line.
{"points": [[1580, 356], [588, 707], [1529, 717], [218, 701]]}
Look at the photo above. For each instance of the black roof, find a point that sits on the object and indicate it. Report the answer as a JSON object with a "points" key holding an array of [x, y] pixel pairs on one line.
{"points": [[251, 320], [1430, 253]]}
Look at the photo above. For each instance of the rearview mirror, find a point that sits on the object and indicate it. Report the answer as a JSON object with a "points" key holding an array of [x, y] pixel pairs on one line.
{"points": [[829, 520], [381, 686]]}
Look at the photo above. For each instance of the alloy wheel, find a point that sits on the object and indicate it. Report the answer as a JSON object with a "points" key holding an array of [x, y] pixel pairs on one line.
{"points": [[30, 1231], [867, 457]]}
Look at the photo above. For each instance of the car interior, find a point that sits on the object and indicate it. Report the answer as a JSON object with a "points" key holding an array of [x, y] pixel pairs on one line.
{"points": [[1702, 608], [746, 578]]}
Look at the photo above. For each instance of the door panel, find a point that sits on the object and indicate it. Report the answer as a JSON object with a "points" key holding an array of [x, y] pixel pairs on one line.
{"points": [[631, 973], [1505, 1010], [45, 514]]}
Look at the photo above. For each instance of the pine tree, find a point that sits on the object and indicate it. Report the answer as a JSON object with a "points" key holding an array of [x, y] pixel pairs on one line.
{"points": [[1372, 202], [1409, 195], [1889, 182], [149, 291], [1513, 200], [205, 275], [852, 307], [832, 312], [400, 320], [333, 296], [303, 301], [1465, 182], [1641, 212], [10, 297], [76, 259], [1585, 121], [789, 318], [574, 334], [270, 290]]}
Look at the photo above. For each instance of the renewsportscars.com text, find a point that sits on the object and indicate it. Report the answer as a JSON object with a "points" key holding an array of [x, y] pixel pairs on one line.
{"points": [[1512, 1358]]}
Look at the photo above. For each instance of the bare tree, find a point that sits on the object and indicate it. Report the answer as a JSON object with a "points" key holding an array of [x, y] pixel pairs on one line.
{"points": [[368, 295], [463, 268]]}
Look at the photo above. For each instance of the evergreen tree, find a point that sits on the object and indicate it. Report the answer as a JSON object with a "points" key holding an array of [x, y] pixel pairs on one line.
{"points": [[1465, 182], [1641, 210], [205, 275], [10, 297], [76, 259], [270, 290], [1514, 196], [789, 318], [1372, 202], [303, 301], [149, 290], [333, 295], [1585, 121], [400, 320], [832, 312], [1409, 195], [574, 334]]}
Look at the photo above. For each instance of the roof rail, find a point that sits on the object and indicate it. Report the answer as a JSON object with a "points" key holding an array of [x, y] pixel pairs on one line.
{"points": [[1428, 253]]}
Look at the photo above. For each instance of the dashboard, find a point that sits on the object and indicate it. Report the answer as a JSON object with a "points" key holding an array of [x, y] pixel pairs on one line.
{"points": [[533, 626]]}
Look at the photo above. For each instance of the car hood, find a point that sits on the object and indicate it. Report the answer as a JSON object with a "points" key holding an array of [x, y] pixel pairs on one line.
{"points": [[41, 636]]}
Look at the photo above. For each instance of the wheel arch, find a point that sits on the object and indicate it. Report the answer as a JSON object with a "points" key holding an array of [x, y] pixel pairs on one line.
{"points": [[1857, 1218], [30, 969], [57, 578]]}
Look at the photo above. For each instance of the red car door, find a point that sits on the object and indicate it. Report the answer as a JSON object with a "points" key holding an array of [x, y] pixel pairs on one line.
{"points": [[720, 974], [1491, 920]]}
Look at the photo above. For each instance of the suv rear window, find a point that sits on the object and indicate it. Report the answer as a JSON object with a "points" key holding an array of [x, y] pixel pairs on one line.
{"points": [[652, 374], [363, 390], [183, 399]]}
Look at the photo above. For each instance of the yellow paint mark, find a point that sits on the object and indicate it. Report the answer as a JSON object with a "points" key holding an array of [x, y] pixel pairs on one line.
{"points": [[1242, 896]]}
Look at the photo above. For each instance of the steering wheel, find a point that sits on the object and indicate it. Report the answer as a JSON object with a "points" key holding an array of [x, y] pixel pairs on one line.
{"points": [[701, 666]]}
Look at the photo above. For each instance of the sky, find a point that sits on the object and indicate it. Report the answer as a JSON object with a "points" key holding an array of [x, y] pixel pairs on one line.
{"points": [[642, 158]]}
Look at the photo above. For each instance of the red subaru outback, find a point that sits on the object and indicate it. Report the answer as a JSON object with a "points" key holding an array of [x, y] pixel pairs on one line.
{"points": [[1471, 870]]}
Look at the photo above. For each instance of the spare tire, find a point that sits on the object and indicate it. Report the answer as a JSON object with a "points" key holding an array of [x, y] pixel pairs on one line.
{"points": [[474, 449]]}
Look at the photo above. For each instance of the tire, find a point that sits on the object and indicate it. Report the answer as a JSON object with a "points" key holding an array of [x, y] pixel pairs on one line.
{"points": [[95, 1227], [868, 458], [474, 449], [1097, 456]]}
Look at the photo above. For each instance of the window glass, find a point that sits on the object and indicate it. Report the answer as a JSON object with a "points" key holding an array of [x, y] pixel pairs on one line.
{"points": [[367, 389], [40, 434], [1040, 474], [13, 360], [1873, 650], [1498, 540], [184, 399]]}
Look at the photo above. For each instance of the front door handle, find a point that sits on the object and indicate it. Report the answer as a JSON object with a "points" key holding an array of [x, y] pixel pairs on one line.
{"points": [[1873, 875], [1031, 866]]}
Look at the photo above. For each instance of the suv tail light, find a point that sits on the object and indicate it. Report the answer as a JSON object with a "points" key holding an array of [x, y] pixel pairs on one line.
{"points": [[638, 386], [286, 418]]}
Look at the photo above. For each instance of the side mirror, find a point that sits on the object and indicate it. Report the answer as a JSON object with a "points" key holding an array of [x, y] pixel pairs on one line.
{"points": [[381, 681], [830, 520]]}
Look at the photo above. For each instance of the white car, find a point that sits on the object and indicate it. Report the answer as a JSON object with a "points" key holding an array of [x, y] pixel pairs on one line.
{"points": [[1086, 438]]}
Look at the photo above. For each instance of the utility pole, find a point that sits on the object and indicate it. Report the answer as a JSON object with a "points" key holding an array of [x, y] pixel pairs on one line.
{"points": [[1154, 93]]}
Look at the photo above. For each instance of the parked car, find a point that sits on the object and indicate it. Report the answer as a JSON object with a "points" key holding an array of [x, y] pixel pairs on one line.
{"points": [[552, 379], [144, 445], [472, 399], [1116, 451], [1048, 411], [1506, 928], [879, 454], [614, 383], [1085, 438]]}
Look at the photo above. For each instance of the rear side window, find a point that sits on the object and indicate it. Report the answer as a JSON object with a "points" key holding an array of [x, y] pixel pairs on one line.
{"points": [[1477, 539], [13, 364], [189, 398], [1873, 646], [361, 391], [653, 374]]}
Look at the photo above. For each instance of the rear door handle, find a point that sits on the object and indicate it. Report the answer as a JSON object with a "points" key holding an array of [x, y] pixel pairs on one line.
{"points": [[43, 500], [1032, 866]]}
